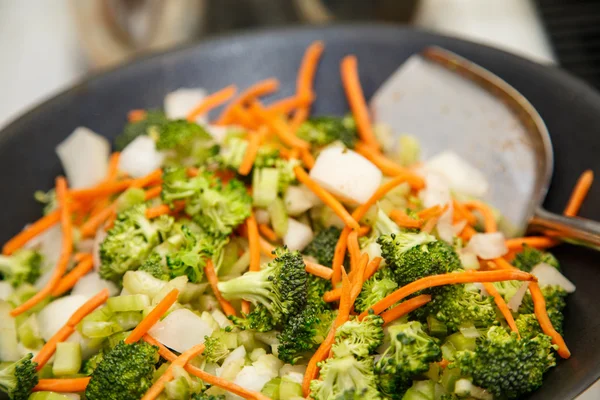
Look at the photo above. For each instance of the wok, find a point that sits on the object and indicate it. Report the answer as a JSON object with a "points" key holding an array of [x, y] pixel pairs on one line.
{"points": [[570, 109]]}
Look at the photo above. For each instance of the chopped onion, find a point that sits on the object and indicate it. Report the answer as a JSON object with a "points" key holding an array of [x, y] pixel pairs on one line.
{"points": [[236, 355], [515, 301], [91, 284], [299, 199], [250, 378], [468, 260], [181, 330], [298, 235], [294, 372], [459, 226], [346, 174], [488, 245], [262, 216], [140, 157], [444, 226], [180, 102], [84, 157], [57, 313], [549, 275], [436, 192], [461, 176], [9, 350], [6, 290]]}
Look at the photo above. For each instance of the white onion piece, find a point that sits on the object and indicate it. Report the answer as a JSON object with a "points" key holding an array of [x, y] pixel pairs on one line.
{"points": [[262, 216], [180, 102], [515, 301], [239, 353], [9, 350], [459, 226], [346, 174], [294, 372], [91, 284], [488, 245], [181, 330], [469, 331], [436, 192], [140, 157], [84, 157], [6, 290], [548, 275], [468, 260], [250, 378], [221, 319], [218, 132], [298, 235], [56, 314], [444, 227], [461, 176], [299, 199], [100, 236], [268, 364], [48, 244]]}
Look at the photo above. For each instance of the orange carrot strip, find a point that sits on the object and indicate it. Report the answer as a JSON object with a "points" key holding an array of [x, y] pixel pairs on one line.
{"points": [[70, 279], [364, 230], [467, 232], [430, 224], [254, 243], [62, 195], [539, 308], [461, 210], [372, 267], [318, 270], [266, 248], [582, 187], [502, 306], [267, 232], [260, 88], [153, 317], [88, 307], [357, 277], [387, 166], [448, 279], [489, 219], [110, 188], [308, 67], [152, 193], [430, 212], [405, 221], [33, 230], [339, 255], [212, 101], [538, 242], [356, 100], [404, 308], [279, 127], [289, 104], [250, 155], [354, 250], [113, 166], [243, 117], [91, 226], [136, 115], [307, 158], [211, 275], [298, 119], [326, 197], [157, 211], [66, 385]]}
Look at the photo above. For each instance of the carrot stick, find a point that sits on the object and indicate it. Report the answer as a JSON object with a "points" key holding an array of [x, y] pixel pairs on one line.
{"points": [[387, 166], [110, 188], [467, 232], [318, 270], [354, 250], [448, 279], [356, 100], [298, 119], [308, 67], [91, 226], [430, 224], [266, 248], [372, 267], [339, 255], [279, 127], [403, 220], [489, 219], [33, 230], [538, 242], [212, 101], [326, 197], [153, 317], [404, 308], [307, 158], [267, 232], [539, 308], [582, 187], [289, 104], [70, 279], [461, 210], [88, 307], [113, 166], [431, 212], [211, 275], [157, 211], [241, 116], [357, 277], [364, 230], [502, 306], [136, 115], [261, 88], [254, 244], [66, 249], [66, 385], [250, 155], [153, 193]]}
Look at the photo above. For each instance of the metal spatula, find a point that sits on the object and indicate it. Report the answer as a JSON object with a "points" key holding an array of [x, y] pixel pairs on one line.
{"points": [[450, 103]]}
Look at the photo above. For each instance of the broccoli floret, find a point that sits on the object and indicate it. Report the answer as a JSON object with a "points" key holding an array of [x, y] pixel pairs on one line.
{"points": [[155, 266], [528, 326], [215, 349], [177, 185], [154, 119], [322, 247], [125, 372], [414, 256], [202, 396], [530, 257], [91, 363], [409, 354], [18, 378], [24, 266], [344, 378], [278, 291], [375, 289], [555, 303], [179, 135], [321, 131], [361, 338], [130, 241], [507, 289], [505, 365]]}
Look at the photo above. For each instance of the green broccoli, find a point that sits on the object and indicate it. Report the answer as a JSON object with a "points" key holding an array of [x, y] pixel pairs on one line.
{"points": [[360, 338], [156, 266], [530, 257], [528, 326], [125, 372], [505, 365], [409, 354], [375, 289], [24, 266], [154, 119], [215, 349], [344, 378], [278, 291], [179, 134], [91, 363], [130, 241], [425, 390], [322, 247], [321, 131], [18, 378], [177, 185], [555, 303], [233, 153]]}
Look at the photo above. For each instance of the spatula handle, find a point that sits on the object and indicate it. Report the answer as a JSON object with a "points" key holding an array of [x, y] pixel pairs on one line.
{"points": [[575, 230]]}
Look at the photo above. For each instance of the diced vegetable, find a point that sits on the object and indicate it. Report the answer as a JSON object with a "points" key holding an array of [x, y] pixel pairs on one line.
{"points": [[180, 102], [67, 359], [9, 350], [279, 217], [140, 157], [181, 330], [298, 235], [91, 284], [487, 245], [132, 302], [299, 199], [549, 275], [56, 314]]}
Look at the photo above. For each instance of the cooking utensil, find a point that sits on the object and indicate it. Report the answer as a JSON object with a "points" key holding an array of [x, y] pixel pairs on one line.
{"points": [[570, 109], [489, 124]]}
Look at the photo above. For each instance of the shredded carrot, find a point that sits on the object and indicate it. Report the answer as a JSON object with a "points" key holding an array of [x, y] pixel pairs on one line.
{"points": [[136, 115], [69, 280], [113, 166], [357, 277], [305, 80], [326, 197], [213, 279], [462, 211], [339, 255], [538, 242], [278, 126], [318, 270], [372, 267], [444, 363], [364, 230], [212, 101], [387, 166], [66, 385], [267, 232], [157, 211], [298, 119], [110, 188], [241, 116], [250, 155], [353, 250], [431, 212], [582, 187], [502, 306], [448, 279], [33, 230], [152, 193], [266, 248], [429, 226], [62, 195], [153, 317], [91, 226], [253, 242], [63, 333], [489, 219], [289, 104], [307, 158], [467, 233], [539, 308], [356, 100], [404, 220], [404, 308], [260, 88]]}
